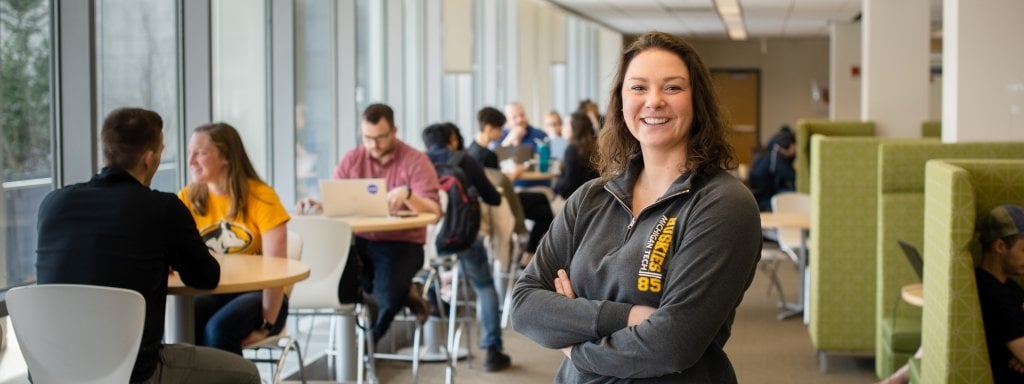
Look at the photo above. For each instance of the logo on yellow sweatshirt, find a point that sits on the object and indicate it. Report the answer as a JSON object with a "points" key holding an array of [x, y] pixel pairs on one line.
{"points": [[655, 250]]}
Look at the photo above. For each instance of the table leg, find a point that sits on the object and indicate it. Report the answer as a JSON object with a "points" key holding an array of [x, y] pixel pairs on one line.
{"points": [[805, 286], [799, 307], [346, 344], [180, 320]]}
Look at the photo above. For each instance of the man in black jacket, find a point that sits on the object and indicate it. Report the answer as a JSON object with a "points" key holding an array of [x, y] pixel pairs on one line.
{"points": [[772, 171], [115, 231]]}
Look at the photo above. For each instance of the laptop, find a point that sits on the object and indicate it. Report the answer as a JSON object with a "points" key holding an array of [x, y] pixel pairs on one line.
{"points": [[914, 257], [355, 197], [520, 153]]}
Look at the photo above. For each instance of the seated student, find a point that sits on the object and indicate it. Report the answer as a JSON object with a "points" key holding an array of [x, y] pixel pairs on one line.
{"points": [[1001, 233], [772, 171], [535, 205], [576, 165], [1002, 299], [388, 260], [518, 131], [115, 231], [442, 142], [235, 212], [553, 124]]}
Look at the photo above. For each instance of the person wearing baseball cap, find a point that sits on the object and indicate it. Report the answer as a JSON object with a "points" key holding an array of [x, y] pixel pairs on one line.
{"points": [[1002, 300]]}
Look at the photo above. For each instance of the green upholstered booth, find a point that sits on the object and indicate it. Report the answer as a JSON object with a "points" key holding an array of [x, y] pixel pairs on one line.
{"points": [[931, 129], [956, 193], [805, 128], [901, 217], [844, 190]]}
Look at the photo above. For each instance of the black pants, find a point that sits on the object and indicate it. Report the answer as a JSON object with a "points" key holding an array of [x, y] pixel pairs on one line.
{"points": [[536, 207]]}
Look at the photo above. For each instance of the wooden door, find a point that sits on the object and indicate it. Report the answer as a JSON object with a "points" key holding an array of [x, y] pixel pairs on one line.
{"points": [[739, 94]]}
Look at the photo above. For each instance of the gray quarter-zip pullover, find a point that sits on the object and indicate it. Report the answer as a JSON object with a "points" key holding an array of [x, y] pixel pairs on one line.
{"points": [[691, 255]]}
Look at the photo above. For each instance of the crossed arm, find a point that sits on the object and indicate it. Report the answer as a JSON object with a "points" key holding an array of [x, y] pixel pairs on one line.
{"points": [[563, 286]]}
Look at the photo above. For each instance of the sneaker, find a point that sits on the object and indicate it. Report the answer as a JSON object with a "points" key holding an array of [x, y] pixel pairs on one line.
{"points": [[496, 360]]}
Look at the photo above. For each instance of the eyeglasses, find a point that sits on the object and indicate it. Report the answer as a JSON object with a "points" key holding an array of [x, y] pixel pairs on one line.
{"points": [[377, 138]]}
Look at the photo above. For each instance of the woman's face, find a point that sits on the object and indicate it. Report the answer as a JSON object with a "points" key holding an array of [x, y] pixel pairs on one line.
{"points": [[553, 125], [205, 162], [657, 100]]}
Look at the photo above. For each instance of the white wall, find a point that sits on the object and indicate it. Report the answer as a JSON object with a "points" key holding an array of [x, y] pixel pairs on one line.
{"points": [[895, 43], [844, 89], [547, 36], [983, 71], [789, 69]]}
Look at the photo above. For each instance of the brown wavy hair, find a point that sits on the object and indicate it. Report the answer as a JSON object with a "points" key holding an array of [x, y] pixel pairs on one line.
{"points": [[583, 136], [706, 147], [239, 168]]}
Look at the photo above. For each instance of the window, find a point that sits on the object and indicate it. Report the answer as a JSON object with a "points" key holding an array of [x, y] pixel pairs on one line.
{"points": [[137, 48], [370, 54], [240, 75], [457, 108], [314, 95], [25, 122]]}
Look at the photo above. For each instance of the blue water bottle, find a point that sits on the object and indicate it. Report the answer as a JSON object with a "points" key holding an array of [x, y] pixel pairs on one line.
{"points": [[543, 155]]}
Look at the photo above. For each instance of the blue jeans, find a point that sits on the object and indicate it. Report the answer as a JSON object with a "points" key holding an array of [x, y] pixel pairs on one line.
{"points": [[388, 269], [477, 269], [223, 321]]}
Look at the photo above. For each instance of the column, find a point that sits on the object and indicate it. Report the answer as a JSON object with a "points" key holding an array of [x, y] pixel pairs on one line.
{"points": [[983, 71], [894, 91], [845, 81]]}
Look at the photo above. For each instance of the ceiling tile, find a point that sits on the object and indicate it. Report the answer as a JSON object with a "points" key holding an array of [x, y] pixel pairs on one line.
{"points": [[763, 18]]}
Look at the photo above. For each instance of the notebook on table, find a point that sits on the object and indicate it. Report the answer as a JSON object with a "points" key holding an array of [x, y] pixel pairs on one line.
{"points": [[914, 257], [354, 197]]}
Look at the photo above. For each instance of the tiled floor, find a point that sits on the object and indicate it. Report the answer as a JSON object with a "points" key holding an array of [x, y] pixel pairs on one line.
{"points": [[762, 350]]}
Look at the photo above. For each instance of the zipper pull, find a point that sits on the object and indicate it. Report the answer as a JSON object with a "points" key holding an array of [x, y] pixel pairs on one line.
{"points": [[632, 221]]}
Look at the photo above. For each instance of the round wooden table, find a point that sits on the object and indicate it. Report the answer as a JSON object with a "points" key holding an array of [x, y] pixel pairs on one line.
{"points": [[536, 176], [785, 220], [913, 294], [238, 273], [361, 224]]}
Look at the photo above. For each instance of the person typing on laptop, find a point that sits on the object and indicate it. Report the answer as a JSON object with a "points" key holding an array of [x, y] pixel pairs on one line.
{"points": [[389, 259]]}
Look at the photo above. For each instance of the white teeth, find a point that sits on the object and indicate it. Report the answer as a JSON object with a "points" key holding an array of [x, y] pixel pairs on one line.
{"points": [[654, 120]]}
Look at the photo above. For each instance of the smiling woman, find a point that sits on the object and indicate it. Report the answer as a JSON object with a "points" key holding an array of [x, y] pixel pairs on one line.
{"points": [[656, 103], [640, 275], [235, 212]]}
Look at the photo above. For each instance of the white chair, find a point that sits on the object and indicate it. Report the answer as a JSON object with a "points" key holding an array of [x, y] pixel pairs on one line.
{"points": [[281, 341], [427, 344], [77, 333], [771, 256], [327, 244], [790, 239]]}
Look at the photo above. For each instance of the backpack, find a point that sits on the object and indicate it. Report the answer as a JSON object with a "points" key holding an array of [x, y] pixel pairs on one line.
{"points": [[462, 214]]}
